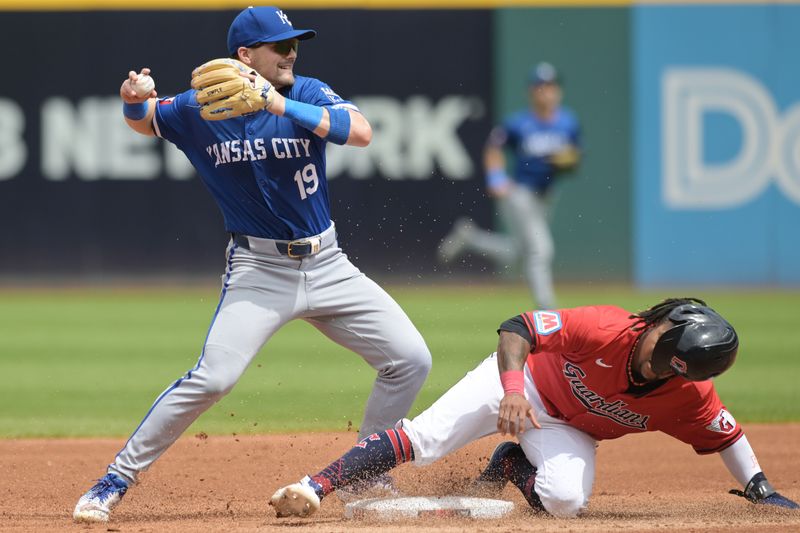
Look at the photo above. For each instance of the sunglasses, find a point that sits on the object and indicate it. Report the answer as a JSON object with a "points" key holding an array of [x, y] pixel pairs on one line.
{"points": [[283, 48]]}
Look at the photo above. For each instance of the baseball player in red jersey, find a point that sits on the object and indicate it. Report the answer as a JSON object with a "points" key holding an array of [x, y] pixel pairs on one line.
{"points": [[560, 381]]}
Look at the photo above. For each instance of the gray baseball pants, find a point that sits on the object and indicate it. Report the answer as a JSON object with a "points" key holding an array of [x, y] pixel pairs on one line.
{"points": [[526, 214], [262, 290]]}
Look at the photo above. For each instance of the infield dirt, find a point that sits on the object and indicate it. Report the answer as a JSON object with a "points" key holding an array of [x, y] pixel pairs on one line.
{"points": [[222, 483]]}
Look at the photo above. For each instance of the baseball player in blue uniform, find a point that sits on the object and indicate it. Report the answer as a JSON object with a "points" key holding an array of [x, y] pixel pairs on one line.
{"points": [[545, 141], [265, 167]]}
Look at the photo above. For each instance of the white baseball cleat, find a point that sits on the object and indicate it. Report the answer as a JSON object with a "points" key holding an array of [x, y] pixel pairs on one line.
{"points": [[97, 503], [298, 499]]}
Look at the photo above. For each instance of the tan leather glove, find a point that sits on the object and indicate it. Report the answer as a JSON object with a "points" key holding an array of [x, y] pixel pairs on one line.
{"points": [[566, 158], [228, 88]]}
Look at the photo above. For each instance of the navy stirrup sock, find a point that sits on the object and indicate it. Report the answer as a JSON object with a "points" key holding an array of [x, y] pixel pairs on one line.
{"points": [[373, 456]]}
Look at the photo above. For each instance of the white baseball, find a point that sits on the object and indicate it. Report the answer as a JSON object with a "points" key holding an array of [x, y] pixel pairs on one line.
{"points": [[143, 86]]}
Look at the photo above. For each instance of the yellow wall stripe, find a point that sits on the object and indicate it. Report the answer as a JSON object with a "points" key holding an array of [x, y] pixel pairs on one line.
{"points": [[103, 5]]}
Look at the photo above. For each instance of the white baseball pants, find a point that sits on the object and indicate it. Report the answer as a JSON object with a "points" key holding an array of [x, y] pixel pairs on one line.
{"points": [[563, 455]]}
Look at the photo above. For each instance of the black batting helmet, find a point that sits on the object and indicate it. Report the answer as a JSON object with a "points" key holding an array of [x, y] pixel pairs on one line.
{"points": [[700, 345]]}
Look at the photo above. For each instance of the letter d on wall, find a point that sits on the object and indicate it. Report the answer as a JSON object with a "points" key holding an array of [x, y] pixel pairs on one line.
{"points": [[689, 182]]}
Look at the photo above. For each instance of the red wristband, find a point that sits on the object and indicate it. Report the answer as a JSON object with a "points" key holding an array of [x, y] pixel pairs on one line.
{"points": [[513, 381]]}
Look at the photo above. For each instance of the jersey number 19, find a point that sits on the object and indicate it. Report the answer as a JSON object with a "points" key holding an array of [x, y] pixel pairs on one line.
{"points": [[307, 176]]}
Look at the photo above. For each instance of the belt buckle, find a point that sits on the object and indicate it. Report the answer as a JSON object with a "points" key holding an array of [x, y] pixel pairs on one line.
{"points": [[313, 242]]}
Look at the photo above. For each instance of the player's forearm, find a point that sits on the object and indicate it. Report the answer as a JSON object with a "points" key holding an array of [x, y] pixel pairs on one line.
{"points": [[360, 130], [359, 133], [143, 125], [741, 461], [497, 181], [493, 159], [512, 351], [340, 126]]}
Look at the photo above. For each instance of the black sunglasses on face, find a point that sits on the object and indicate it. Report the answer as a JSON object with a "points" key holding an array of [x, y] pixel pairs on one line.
{"points": [[284, 48]]}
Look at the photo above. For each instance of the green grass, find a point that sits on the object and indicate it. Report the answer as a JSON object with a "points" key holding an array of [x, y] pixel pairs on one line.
{"points": [[90, 362]]}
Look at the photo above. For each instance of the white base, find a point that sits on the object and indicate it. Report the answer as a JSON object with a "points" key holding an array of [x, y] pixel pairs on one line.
{"points": [[427, 507]]}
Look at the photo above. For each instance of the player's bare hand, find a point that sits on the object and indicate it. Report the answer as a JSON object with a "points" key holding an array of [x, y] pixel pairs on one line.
{"points": [[127, 91], [514, 411], [500, 191]]}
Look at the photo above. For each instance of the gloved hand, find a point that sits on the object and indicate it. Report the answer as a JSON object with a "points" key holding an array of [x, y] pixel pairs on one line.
{"points": [[228, 88], [566, 158], [760, 491]]}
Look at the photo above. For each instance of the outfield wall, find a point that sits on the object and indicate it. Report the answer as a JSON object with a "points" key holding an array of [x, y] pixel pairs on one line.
{"points": [[590, 46], [682, 181], [716, 144]]}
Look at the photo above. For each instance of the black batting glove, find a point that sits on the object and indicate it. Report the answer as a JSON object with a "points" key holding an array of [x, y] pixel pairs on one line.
{"points": [[761, 492]]}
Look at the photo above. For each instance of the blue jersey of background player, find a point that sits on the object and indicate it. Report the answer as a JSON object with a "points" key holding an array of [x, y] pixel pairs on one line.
{"points": [[544, 138], [266, 170]]}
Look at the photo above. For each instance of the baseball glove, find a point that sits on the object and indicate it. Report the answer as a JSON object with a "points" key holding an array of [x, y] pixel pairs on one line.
{"points": [[566, 158], [228, 88]]}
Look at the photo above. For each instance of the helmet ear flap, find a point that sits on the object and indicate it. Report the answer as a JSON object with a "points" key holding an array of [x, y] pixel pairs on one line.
{"points": [[665, 351]]}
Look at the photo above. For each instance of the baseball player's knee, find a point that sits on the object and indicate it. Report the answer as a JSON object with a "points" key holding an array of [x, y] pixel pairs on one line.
{"points": [[217, 385], [422, 360], [220, 370], [420, 364], [542, 253], [547, 254], [413, 361], [563, 502]]}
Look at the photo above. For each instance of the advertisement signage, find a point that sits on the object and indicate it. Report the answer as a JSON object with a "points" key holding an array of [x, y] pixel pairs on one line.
{"points": [[82, 194], [717, 138]]}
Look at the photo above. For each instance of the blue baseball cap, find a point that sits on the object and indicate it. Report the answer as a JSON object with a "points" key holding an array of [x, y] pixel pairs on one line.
{"points": [[263, 24], [543, 73]]}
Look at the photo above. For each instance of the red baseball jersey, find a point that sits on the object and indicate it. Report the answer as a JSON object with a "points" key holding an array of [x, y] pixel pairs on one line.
{"points": [[581, 364]]}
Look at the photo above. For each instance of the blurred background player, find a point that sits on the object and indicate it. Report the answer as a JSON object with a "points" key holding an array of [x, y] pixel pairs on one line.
{"points": [[545, 142], [266, 170], [561, 381]]}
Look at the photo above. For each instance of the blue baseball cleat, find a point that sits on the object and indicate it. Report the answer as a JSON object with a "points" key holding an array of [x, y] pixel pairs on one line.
{"points": [[97, 503]]}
